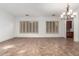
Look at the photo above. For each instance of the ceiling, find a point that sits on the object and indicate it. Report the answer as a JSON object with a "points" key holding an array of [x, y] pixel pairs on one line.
{"points": [[37, 9]]}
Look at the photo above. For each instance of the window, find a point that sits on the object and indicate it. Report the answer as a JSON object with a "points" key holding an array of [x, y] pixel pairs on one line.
{"points": [[52, 26], [28, 27]]}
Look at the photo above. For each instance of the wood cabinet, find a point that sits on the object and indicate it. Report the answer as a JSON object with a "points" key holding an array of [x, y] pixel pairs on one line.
{"points": [[69, 34]]}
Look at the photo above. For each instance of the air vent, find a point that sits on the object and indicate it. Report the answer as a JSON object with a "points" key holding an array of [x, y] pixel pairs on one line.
{"points": [[53, 15], [26, 15]]}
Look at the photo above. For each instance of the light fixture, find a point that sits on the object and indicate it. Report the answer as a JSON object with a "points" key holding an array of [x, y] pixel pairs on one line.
{"points": [[26, 15], [68, 14], [53, 15]]}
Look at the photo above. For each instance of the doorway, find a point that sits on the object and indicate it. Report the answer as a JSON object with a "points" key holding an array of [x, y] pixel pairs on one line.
{"points": [[69, 30]]}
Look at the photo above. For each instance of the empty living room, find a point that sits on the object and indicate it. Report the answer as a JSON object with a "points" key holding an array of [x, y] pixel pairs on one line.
{"points": [[39, 29]]}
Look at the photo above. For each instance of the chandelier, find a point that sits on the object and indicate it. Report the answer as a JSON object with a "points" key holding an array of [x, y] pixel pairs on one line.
{"points": [[68, 14]]}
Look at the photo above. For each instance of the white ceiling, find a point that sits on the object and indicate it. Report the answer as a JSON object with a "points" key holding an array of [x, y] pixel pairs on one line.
{"points": [[36, 9]]}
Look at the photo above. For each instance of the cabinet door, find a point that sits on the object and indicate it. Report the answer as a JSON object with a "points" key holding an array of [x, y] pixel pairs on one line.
{"points": [[68, 25], [69, 34]]}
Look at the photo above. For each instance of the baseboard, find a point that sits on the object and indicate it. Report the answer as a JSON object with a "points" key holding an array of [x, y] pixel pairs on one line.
{"points": [[7, 39], [36, 37]]}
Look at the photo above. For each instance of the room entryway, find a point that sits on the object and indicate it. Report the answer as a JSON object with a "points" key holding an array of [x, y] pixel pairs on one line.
{"points": [[69, 30]]}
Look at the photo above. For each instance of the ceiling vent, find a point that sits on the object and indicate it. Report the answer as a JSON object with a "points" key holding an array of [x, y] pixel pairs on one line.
{"points": [[26, 15], [53, 15]]}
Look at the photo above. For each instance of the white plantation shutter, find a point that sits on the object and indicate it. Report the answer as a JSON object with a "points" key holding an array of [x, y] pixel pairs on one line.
{"points": [[52, 26], [28, 27]]}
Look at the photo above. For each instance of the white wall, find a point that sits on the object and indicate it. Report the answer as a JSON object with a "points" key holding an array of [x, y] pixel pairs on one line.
{"points": [[42, 27], [76, 28], [6, 26]]}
